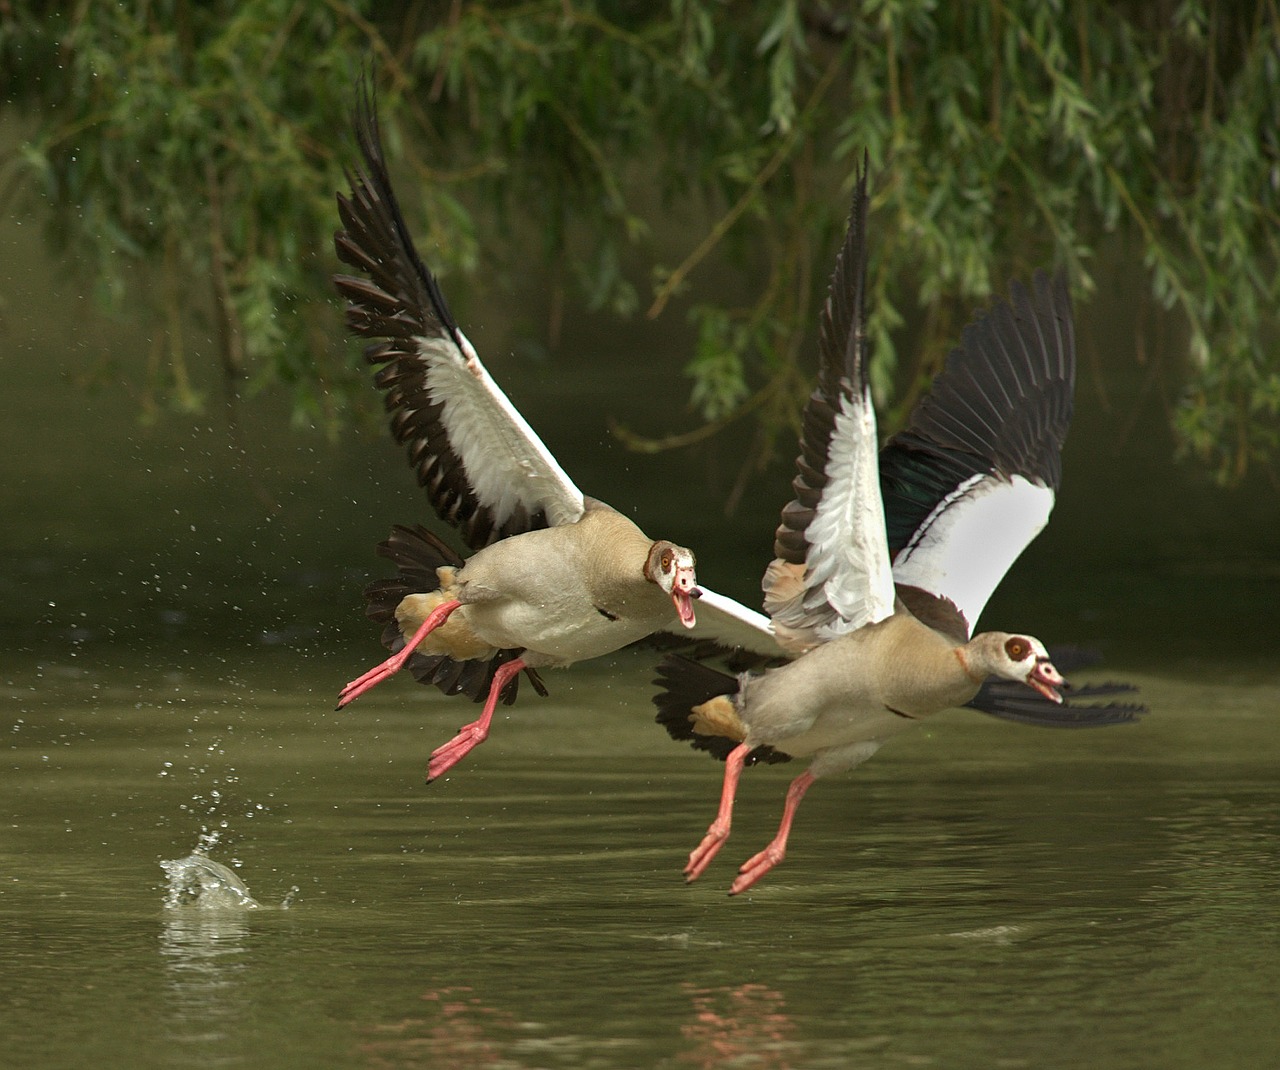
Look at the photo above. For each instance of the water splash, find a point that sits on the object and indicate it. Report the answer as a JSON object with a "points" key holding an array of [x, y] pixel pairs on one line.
{"points": [[198, 881], [210, 838]]}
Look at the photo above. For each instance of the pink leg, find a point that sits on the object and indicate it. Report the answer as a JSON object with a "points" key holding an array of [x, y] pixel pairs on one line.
{"points": [[719, 830], [758, 865], [395, 663], [472, 735]]}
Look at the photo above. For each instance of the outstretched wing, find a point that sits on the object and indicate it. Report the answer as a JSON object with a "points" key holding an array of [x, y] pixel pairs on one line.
{"points": [[831, 572], [484, 469], [971, 480], [731, 625]]}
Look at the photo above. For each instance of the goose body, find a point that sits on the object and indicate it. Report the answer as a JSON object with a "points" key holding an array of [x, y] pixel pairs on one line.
{"points": [[860, 688], [563, 594], [886, 557], [554, 577]]}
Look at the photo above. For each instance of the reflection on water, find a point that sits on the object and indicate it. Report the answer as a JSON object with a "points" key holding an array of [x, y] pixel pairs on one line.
{"points": [[204, 944], [206, 998], [730, 1025], [456, 1029], [739, 1025]]}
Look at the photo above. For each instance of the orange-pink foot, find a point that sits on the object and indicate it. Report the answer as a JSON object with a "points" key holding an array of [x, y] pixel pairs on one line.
{"points": [[373, 677], [472, 735], [757, 866], [396, 662], [450, 754], [702, 855], [719, 830]]}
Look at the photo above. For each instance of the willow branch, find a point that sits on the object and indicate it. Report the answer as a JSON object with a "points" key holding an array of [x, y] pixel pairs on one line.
{"points": [[643, 444], [727, 221]]}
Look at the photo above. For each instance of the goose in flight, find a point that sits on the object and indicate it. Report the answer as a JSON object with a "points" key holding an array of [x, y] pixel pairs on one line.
{"points": [[886, 557], [554, 576]]}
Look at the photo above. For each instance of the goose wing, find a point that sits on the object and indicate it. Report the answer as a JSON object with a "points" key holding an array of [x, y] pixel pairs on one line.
{"points": [[972, 478], [729, 624], [484, 469], [1012, 701], [831, 572]]}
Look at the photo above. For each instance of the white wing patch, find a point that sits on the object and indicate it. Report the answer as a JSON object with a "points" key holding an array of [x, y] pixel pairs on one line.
{"points": [[847, 566], [969, 541], [506, 462], [730, 623]]}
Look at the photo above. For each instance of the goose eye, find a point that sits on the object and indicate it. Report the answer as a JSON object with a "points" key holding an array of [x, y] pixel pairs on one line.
{"points": [[1017, 648], [666, 561]]}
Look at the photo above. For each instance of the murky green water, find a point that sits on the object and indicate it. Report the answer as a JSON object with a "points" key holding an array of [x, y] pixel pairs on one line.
{"points": [[978, 895]]}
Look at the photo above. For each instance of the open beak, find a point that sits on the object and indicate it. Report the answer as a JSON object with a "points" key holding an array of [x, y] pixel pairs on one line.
{"points": [[683, 591], [1046, 679]]}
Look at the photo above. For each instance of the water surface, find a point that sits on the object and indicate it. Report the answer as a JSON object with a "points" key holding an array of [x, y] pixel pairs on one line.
{"points": [[979, 894]]}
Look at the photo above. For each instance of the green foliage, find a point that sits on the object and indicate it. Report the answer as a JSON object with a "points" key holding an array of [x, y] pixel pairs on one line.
{"points": [[194, 179], [1001, 136]]}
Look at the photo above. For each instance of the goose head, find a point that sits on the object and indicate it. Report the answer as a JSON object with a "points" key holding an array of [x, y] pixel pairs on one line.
{"points": [[1022, 658], [671, 568]]}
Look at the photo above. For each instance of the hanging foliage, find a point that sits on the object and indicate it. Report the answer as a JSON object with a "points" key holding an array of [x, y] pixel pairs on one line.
{"points": [[189, 154]]}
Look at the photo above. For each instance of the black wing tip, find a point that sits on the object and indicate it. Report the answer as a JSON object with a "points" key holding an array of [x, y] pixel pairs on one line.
{"points": [[372, 190], [1002, 403], [394, 300], [1012, 701], [843, 369], [842, 327], [682, 684], [1052, 288], [470, 678], [364, 119], [417, 552], [1049, 289], [735, 659]]}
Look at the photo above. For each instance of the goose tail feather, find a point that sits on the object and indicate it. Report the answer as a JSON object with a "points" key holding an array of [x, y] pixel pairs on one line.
{"points": [[686, 690], [417, 554]]}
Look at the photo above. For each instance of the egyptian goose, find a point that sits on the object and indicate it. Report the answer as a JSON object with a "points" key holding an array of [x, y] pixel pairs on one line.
{"points": [[883, 565], [556, 577]]}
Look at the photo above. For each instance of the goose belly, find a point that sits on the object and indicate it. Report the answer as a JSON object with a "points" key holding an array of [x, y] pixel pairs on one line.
{"points": [[837, 725], [541, 591], [832, 697], [553, 633]]}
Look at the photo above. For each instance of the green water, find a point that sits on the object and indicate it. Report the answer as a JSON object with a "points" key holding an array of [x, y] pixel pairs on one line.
{"points": [[978, 895]]}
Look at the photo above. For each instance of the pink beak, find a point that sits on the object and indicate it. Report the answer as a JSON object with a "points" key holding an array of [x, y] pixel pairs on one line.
{"points": [[1046, 679], [684, 589]]}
